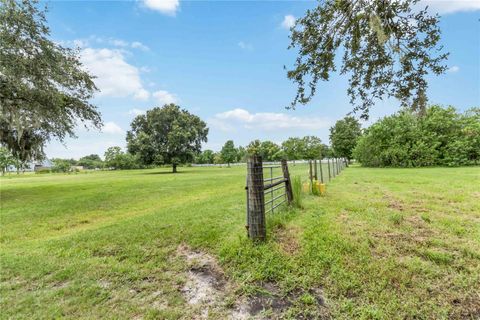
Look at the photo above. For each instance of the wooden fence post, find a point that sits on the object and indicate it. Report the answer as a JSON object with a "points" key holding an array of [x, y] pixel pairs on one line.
{"points": [[256, 199], [321, 171], [288, 182], [315, 169]]}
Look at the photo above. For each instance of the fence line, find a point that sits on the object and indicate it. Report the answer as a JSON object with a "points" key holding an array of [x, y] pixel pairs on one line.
{"points": [[245, 163], [334, 167]]}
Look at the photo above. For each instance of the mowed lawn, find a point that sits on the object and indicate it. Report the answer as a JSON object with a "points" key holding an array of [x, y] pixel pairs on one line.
{"points": [[382, 244]]}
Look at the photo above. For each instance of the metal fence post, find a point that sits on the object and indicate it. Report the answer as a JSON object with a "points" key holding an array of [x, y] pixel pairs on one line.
{"points": [[288, 182], [321, 171], [256, 203], [329, 175], [311, 174], [333, 167]]}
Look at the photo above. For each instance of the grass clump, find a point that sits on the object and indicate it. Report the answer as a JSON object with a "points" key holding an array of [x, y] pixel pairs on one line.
{"points": [[396, 218], [297, 192]]}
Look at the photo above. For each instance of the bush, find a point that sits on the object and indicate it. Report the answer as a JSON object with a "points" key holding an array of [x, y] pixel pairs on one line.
{"points": [[42, 171], [61, 165], [442, 136]]}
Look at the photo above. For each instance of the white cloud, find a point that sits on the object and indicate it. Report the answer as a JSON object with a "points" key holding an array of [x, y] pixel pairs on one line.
{"points": [[139, 45], [164, 97], [453, 69], [141, 94], [118, 43], [95, 40], [145, 69], [111, 128], [245, 46], [136, 112], [450, 6], [169, 7], [265, 121], [115, 76], [288, 21]]}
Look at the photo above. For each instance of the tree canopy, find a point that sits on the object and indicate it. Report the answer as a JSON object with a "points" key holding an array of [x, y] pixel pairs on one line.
{"points": [[344, 135], [204, 157], [292, 148], [228, 152], [117, 159], [92, 161], [388, 50], [6, 159], [311, 148], [44, 92], [166, 135], [442, 137]]}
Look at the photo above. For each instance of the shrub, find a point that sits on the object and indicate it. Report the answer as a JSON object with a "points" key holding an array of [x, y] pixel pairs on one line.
{"points": [[441, 136], [61, 165], [42, 171]]}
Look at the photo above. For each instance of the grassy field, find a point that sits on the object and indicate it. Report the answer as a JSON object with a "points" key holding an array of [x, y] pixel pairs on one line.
{"points": [[382, 244]]}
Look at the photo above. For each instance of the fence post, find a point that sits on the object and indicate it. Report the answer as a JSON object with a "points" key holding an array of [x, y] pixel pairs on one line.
{"points": [[333, 168], [329, 175], [256, 203], [288, 182], [311, 174], [321, 170], [315, 169]]}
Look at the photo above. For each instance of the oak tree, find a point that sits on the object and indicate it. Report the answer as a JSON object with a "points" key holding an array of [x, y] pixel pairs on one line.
{"points": [[344, 136], [44, 91], [166, 135], [388, 48]]}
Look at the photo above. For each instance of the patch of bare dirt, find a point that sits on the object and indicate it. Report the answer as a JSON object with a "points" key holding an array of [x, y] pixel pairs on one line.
{"points": [[205, 285], [467, 307], [206, 289], [287, 239], [394, 203], [271, 303]]}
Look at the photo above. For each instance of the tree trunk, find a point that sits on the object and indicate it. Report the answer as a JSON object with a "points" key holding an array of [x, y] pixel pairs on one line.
{"points": [[174, 168]]}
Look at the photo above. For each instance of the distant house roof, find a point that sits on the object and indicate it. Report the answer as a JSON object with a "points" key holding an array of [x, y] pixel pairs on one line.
{"points": [[34, 164], [44, 163]]}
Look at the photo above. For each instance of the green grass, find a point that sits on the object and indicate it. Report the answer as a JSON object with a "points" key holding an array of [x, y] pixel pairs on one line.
{"points": [[381, 244]]}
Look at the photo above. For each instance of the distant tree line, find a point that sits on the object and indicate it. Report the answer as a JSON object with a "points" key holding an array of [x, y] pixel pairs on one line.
{"points": [[439, 137], [294, 148]]}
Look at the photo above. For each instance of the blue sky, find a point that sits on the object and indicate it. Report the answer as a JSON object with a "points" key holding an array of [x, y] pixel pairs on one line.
{"points": [[223, 60]]}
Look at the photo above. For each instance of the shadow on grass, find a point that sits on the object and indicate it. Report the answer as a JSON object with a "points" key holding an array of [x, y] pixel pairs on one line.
{"points": [[167, 172]]}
